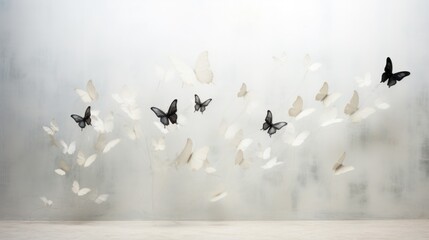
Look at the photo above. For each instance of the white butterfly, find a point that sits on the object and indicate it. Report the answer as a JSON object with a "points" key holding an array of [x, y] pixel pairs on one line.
{"points": [[102, 126], [365, 81], [62, 169], [158, 145], [164, 75], [218, 196], [271, 163], [244, 144], [339, 168], [282, 58], [101, 198], [132, 110], [210, 170], [380, 104], [201, 73], [127, 100], [265, 154], [125, 96], [89, 95], [251, 107], [79, 191], [231, 131], [243, 90], [111, 144], [310, 65], [83, 161], [52, 129], [202, 68], [329, 117], [68, 149], [134, 132], [240, 160], [291, 137], [325, 98], [296, 109], [352, 109], [46, 202], [196, 159]]}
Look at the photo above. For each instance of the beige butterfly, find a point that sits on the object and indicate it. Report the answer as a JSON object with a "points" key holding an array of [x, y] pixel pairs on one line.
{"points": [[201, 73], [195, 159], [79, 191], [90, 94], [339, 168], [83, 161], [218, 196], [240, 160], [243, 90], [325, 98], [352, 109], [297, 111], [62, 169]]}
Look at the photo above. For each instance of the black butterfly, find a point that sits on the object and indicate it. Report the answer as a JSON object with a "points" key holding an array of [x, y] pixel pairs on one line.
{"points": [[268, 124], [392, 77], [201, 106], [170, 115], [83, 121]]}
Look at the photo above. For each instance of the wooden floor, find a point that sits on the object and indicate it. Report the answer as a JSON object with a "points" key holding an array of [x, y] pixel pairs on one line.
{"points": [[153, 230]]}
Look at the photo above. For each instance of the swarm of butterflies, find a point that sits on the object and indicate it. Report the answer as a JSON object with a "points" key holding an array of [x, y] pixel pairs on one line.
{"points": [[197, 159]]}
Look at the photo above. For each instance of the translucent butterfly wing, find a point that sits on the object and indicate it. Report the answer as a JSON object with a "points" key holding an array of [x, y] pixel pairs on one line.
{"points": [[111, 145], [186, 73], [330, 117], [362, 114], [101, 198], [353, 105], [339, 161], [244, 144], [365, 81], [265, 154], [90, 94], [197, 103], [158, 145], [339, 168], [305, 113], [68, 149], [279, 125], [243, 90], [202, 69], [299, 140], [79, 191], [46, 201], [198, 158], [218, 196], [269, 118], [162, 116], [271, 163], [323, 92], [90, 160], [185, 154], [296, 107]]}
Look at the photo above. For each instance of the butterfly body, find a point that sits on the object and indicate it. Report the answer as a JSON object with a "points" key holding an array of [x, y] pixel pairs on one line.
{"points": [[83, 121], [391, 77], [270, 126], [170, 116], [201, 106]]}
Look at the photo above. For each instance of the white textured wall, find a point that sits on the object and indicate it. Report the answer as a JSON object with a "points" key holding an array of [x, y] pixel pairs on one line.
{"points": [[49, 48]]}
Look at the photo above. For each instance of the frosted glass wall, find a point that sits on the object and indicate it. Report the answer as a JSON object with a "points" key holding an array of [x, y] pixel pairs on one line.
{"points": [[279, 49]]}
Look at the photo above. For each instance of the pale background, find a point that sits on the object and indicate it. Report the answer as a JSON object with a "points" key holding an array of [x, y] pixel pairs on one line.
{"points": [[49, 48]]}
